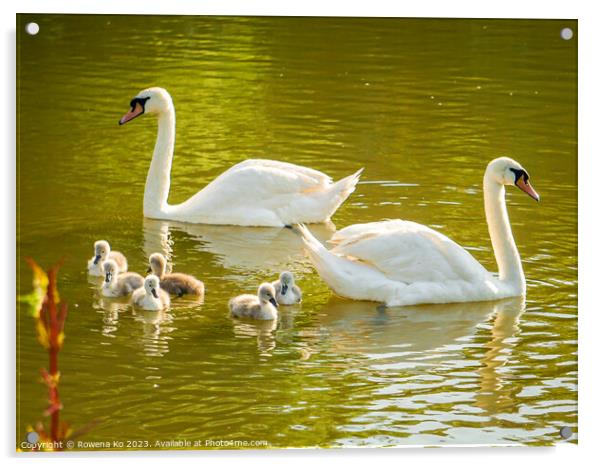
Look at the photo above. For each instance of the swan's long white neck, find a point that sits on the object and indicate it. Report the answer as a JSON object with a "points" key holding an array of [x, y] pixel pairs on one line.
{"points": [[156, 190], [506, 254]]}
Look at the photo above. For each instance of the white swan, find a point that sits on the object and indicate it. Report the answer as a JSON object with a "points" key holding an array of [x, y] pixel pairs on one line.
{"points": [[403, 263], [251, 193]]}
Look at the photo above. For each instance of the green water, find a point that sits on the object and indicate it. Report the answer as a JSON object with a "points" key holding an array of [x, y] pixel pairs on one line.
{"points": [[423, 105]]}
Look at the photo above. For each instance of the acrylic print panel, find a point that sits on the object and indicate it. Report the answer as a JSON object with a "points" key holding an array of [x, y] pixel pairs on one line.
{"points": [[423, 105]]}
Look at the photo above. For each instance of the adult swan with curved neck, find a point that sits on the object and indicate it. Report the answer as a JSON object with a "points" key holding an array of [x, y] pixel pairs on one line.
{"points": [[251, 193], [404, 263]]}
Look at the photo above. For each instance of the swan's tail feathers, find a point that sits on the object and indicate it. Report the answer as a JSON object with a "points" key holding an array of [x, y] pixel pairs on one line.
{"points": [[310, 241], [318, 254], [346, 277], [331, 268], [340, 191]]}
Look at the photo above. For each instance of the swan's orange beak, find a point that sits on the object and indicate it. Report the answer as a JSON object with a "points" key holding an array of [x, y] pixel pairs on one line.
{"points": [[137, 110], [527, 188]]}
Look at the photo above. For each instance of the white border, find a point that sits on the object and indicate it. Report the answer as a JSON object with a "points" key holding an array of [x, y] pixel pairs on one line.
{"points": [[590, 213], [382, 8]]}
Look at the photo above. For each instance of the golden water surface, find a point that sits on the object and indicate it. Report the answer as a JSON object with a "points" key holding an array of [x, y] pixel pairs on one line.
{"points": [[423, 105]]}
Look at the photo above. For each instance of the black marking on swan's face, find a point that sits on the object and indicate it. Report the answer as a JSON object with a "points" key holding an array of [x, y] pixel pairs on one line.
{"points": [[138, 100], [519, 173], [521, 181]]}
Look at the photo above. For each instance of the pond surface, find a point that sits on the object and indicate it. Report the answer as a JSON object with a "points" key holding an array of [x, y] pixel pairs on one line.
{"points": [[423, 105]]}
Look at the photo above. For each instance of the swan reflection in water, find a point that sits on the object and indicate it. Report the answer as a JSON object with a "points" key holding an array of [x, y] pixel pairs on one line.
{"points": [[367, 327], [496, 393], [236, 248], [431, 336]]}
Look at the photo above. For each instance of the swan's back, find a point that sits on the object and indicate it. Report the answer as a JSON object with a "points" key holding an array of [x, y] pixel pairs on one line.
{"points": [[408, 252], [310, 175]]}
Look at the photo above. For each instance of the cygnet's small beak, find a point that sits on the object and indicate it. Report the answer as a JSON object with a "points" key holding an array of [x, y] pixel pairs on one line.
{"points": [[154, 292], [96, 259], [527, 188], [273, 301], [284, 289], [108, 277], [137, 110]]}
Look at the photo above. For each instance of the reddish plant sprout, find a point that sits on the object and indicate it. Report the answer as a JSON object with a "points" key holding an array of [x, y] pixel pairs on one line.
{"points": [[49, 314]]}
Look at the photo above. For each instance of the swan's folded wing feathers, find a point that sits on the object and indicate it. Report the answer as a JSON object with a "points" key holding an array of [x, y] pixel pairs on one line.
{"points": [[410, 253], [262, 181]]}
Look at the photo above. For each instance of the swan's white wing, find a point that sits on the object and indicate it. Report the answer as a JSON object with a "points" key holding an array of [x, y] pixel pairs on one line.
{"points": [[262, 180], [266, 193], [408, 252]]}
